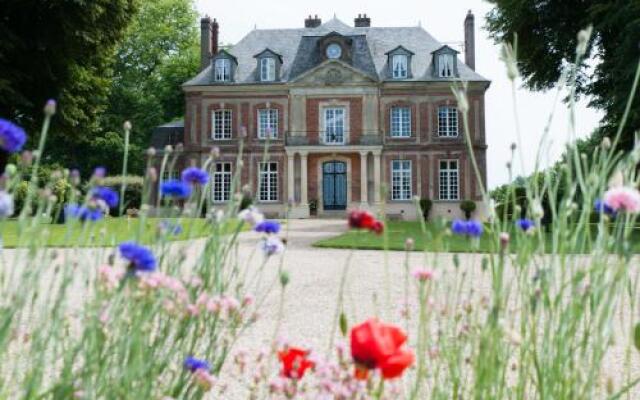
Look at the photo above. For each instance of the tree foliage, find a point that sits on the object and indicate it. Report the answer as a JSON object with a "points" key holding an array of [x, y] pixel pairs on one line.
{"points": [[158, 54], [62, 50], [105, 61], [547, 39]]}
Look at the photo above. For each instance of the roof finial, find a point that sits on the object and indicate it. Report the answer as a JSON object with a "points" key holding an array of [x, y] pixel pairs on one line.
{"points": [[335, 16]]}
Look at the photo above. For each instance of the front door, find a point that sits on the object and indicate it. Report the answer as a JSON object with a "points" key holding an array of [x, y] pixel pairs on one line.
{"points": [[334, 185]]}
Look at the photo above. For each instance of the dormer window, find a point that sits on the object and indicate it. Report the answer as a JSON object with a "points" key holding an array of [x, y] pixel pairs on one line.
{"points": [[224, 67], [445, 65], [269, 66], [399, 66], [223, 70], [267, 69], [399, 63]]}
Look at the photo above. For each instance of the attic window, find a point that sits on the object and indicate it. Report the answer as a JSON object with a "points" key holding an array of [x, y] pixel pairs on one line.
{"points": [[445, 65], [267, 69], [400, 70], [223, 70]]}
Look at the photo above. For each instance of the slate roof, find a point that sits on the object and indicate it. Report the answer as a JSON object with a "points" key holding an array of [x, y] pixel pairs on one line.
{"points": [[370, 45], [167, 134]]}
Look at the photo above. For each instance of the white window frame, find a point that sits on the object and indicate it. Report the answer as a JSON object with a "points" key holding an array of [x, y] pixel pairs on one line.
{"points": [[268, 119], [267, 69], [400, 66], [445, 65], [335, 119], [221, 182], [449, 180], [268, 181], [448, 122], [400, 121], [401, 180], [222, 124], [222, 70]]}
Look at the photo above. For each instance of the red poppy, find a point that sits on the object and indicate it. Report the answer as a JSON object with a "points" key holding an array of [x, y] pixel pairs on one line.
{"points": [[378, 345], [360, 219], [378, 227], [294, 362]]}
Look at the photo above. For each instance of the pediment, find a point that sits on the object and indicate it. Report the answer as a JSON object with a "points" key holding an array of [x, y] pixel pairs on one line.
{"points": [[333, 73]]}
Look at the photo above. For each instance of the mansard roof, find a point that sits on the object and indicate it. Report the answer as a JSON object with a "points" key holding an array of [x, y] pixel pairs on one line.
{"points": [[370, 45]]}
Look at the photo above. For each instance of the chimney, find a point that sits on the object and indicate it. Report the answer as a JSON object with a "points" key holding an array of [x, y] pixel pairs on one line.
{"points": [[215, 28], [205, 42], [362, 21], [312, 22], [470, 41]]}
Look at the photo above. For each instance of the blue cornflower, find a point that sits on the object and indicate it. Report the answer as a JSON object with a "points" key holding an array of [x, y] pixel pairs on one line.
{"points": [[469, 228], [83, 213], [100, 172], [601, 207], [195, 175], [525, 224], [268, 227], [140, 257], [474, 228], [175, 188], [193, 364], [108, 195], [169, 227], [12, 137]]}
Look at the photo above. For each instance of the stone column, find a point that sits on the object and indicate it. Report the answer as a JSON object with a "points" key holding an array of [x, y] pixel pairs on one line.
{"points": [[376, 177], [303, 180], [364, 193], [290, 178]]}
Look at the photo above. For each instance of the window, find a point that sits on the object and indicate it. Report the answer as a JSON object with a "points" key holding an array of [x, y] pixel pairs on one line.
{"points": [[447, 121], [445, 65], [268, 181], [401, 180], [267, 69], [449, 180], [222, 182], [400, 70], [400, 122], [267, 123], [334, 125], [221, 124], [223, 70]]}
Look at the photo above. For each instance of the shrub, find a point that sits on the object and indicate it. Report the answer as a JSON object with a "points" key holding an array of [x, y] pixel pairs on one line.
{"points": [[425, 208], [468, 207]]}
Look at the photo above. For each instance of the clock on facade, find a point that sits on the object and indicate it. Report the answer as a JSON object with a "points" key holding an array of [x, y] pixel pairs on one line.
{"points": [[334, 51]]}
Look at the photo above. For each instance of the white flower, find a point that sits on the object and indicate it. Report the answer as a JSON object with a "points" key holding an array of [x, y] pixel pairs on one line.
{"points": [[271, 246], [6, 204], [251, 216]]}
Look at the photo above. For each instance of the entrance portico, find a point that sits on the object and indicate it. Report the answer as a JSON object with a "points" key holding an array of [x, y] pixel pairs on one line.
{"points": [[336, 178]]}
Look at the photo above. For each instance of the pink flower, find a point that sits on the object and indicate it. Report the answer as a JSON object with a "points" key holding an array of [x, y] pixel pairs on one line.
{"points": [[422, 274], [109, 276], [248, 300], [193, 310], [204, 379], [623, 198]]}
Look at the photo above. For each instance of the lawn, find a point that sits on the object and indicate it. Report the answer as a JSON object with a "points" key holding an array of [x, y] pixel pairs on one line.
{"points": [[107, 232], [435, 240]]}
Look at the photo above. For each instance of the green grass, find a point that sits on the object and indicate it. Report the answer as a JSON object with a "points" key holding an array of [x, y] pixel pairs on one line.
{"points": [[107, 232], [434, 240]]}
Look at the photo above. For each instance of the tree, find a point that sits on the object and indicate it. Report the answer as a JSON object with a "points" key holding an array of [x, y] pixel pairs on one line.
{"points": [[62, 50], [547, 40], [158, 54]]}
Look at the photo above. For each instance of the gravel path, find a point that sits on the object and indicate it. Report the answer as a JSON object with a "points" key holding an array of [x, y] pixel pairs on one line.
{"points": [[310, 298]]}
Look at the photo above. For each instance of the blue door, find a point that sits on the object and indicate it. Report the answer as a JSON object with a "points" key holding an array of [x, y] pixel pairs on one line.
{"points": [[334, 185]]}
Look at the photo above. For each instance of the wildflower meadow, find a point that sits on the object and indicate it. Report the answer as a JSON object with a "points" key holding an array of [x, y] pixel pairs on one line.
{"points": [[161, 318]]}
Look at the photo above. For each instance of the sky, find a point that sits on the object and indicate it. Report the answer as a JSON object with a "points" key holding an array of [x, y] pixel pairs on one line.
{"points": [[444, 20]]}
